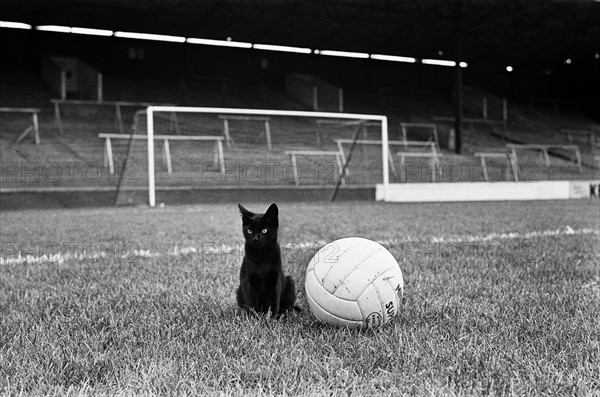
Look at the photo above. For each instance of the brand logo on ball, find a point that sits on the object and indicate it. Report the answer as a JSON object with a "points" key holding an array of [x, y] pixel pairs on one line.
{"points": [[374, 320], [390, 309]]}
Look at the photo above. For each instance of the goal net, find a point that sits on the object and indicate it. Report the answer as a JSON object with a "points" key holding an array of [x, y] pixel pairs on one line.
{"points": [[174, 149]]}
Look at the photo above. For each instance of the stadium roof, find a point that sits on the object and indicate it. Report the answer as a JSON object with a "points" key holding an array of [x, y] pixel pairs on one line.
{"points": [[525, 33]]}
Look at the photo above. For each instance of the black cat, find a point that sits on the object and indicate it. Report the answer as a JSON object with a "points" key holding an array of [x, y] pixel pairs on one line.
{"points": [[263, 286]]}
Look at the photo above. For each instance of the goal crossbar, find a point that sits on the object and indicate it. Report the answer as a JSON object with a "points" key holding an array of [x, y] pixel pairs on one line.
{"points": [[150, 110]]}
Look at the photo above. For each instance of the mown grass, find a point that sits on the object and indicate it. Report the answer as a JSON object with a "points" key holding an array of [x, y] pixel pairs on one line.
{"points": [[505, 316]]}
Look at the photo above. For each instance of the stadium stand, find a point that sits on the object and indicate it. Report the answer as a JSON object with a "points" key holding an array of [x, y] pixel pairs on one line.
{"points": [[33, 127], [266, 121], [219, 160], [118, 106], [589, 134], [484, 156], [294, 154]]}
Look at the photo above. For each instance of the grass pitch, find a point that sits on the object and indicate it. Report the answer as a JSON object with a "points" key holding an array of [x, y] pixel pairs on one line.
{"points": [[501, 299]]}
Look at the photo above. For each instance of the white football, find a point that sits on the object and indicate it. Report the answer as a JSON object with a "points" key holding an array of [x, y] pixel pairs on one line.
{"points": [[354, 282]]}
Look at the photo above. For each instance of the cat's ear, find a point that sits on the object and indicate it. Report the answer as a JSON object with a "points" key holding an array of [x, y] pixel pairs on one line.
{"points": [[272, 213], [245, 212]]}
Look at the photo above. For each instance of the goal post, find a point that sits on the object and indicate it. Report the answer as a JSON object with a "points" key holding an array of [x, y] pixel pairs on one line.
{"points": [[153, 112]]}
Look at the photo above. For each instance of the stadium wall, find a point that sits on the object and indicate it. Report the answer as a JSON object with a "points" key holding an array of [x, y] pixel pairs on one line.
{"points": [[485, 191]]}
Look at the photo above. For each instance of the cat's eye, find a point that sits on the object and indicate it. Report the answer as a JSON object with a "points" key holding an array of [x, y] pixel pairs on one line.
{"points": [[249, 231], [264, 231]]}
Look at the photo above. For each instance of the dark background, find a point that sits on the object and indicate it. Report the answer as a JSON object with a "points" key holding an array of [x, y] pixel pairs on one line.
{"points": [[532, 36]]}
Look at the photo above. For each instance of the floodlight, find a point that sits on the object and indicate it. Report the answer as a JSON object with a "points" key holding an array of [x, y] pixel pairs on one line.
{"points": [[54, 28], [219, 43], [393, 58], [346, 54], [92, 32], [282, 48], [14, 25], [149, 36], [438, 62]]}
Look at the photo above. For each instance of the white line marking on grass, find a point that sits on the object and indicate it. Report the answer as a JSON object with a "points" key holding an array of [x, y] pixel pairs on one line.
{"points": [[212, 248], [567, 231]]}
